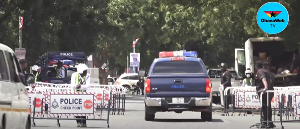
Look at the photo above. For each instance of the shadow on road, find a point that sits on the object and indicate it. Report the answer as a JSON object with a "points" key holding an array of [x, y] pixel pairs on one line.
{"points": [[134, 98], [186, 120], [69, 127], [133, 110], [135, 102]]}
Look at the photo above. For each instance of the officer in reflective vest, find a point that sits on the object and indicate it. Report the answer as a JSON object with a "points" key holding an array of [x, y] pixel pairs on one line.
{"points": [[81, 81], [248, 81], [60, 70], [35, 72]]}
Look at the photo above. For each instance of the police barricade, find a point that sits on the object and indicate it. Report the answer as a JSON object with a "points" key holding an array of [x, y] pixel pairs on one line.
{"points": [[66, 104], [118, 98], [284, 103], [245, 99], [292, 109]]}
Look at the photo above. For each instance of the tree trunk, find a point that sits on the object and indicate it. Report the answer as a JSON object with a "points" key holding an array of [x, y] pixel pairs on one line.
{"points": [[99, 59]]}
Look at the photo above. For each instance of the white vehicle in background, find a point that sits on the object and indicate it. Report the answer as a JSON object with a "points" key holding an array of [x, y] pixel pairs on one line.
{"points": [[14, 100], [128, 80], [110, 80]]}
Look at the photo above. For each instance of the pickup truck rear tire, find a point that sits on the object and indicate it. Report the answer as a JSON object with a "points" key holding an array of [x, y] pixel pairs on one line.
{"points": [[148, 116], [206, 116]]}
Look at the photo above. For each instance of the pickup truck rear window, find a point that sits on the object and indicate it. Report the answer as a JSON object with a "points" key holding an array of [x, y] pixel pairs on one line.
{"points": [[181, 67]]}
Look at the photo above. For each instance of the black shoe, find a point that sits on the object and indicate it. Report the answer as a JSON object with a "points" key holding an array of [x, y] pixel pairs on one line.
{"points": [[263, 126], [84, 125], [271, 125]]}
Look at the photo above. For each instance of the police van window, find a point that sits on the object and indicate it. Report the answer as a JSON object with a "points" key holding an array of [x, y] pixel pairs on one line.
{"points": [[3, 68], [70, 72], [134, 77], [12, 69], [180, 67], [212, 73], [233, 74]]}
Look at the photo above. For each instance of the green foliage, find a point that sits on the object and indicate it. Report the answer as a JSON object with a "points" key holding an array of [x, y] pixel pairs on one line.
{"points": [[107, 28]]}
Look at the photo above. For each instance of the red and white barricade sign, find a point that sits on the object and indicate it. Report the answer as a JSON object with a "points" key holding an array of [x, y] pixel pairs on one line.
{"points": [[296, 104], [102, 96], [43, 92], [39, 104], [247, 98], [71, 104]]}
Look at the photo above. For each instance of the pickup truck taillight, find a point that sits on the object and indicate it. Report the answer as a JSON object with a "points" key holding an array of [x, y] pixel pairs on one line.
{"points": [[147, 86], [208, 85]]}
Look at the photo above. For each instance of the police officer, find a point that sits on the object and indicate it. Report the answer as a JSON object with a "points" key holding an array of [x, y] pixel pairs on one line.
{"points": [[137, 88], [140, 84], [263, 83], [81, 81], [225, 82], [34, 70], [266, 66], [248, 81], [60, 70]]}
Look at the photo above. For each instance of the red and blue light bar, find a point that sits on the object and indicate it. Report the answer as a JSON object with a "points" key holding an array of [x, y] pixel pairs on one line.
{"points": [[178, 54]]}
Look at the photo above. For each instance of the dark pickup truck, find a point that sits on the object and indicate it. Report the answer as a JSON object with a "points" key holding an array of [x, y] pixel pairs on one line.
{"points": [[178, 84]]}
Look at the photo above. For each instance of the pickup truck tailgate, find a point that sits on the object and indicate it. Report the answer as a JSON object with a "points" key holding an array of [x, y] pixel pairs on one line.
{"points": [[178, 78], [183, 84]]}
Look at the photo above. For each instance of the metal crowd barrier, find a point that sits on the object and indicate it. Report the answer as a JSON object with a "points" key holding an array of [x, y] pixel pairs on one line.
{"points": [[244, 100], [292, 107], [102, 98], [118, 96], [289, 107]]}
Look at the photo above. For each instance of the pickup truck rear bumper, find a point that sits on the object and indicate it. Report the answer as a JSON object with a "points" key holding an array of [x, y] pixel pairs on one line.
{"points": [[188, 101]]}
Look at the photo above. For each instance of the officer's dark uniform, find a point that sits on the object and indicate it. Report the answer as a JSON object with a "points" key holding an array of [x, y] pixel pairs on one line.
{"points": [[272, 75], [267, 110], [226, 82], [142, 86], [137, 88]]}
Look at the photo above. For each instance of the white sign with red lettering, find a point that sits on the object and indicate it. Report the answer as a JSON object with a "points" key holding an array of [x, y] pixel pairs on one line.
{"points": [[71, 103]]}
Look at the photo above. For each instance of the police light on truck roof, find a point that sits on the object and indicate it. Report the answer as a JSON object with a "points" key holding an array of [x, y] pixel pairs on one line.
{"points": [[178, 54]]}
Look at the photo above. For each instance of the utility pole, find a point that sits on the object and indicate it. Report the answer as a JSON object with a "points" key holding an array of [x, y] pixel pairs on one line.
{"points": [[133, 46], [127, 65], [133, 52], [20, 31]]}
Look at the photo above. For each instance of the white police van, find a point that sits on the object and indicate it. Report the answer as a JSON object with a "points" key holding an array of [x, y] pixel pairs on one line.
{"points": [[14, 101]]}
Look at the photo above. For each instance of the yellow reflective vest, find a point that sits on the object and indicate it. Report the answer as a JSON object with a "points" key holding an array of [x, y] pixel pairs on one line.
{"points": [[36, 76], [78, 80], [248, 83]]}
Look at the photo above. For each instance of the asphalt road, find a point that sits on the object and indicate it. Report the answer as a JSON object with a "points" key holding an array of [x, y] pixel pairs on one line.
{"points": [[134, 119]]}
